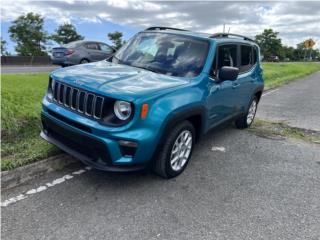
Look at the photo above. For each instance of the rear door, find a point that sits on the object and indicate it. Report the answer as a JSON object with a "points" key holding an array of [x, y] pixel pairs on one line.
{"points": [[93, 50], [223, 96], [248, 58]]}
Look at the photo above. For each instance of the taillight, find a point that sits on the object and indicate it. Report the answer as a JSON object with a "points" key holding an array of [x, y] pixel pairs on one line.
{"points": [[69, 51]]}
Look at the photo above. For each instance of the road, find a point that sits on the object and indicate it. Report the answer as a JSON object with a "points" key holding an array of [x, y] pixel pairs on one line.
{"points": [[297, 103], [249, 187], [27, 69]]}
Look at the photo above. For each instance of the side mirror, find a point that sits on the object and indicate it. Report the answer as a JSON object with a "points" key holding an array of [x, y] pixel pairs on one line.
{"points": [[228, 73]]}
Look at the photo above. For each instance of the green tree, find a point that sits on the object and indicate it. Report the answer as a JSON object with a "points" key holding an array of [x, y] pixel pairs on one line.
{"points": [[66, 33], [116, 39], [288, 52], [4, 48], [27, 31], [269, 43]]}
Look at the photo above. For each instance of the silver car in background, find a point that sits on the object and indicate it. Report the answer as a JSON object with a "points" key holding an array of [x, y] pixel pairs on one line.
{"points": [[79, 52]]}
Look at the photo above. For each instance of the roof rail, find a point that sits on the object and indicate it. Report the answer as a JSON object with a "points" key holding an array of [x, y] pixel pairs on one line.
{"points": [[222, 35], [164, 28]]}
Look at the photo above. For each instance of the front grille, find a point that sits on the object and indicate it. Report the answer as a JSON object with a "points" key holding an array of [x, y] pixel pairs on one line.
{"points": [[78, 100]]}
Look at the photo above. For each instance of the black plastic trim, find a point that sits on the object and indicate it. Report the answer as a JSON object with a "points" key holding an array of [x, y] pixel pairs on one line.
{"points": [[51, 130]]}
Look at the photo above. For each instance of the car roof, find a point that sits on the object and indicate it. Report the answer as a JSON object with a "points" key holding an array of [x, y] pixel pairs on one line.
{"points": [[218, 37]]}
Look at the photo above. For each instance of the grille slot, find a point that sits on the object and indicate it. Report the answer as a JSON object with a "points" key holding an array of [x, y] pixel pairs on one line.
{"points": [[78, 100]]}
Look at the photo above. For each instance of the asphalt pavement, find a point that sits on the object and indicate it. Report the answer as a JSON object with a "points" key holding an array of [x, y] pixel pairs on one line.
{"points": [[256, 189], [237, 186], [28, 69], [297, 103]]}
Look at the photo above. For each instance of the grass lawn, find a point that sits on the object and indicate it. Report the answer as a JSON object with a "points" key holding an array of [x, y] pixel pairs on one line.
{"points": [[21, 96], [277, 74]]}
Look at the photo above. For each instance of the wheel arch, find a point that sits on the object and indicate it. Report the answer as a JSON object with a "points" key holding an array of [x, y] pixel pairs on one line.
{"points": [[195, 115], [85, 58], [258, 94]]}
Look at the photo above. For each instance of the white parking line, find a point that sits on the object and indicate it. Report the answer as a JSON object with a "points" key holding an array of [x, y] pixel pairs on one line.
{"points": [[44, 187], [272, 91]]}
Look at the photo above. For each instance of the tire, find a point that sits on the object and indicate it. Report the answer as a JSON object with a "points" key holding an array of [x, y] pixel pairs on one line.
{"points": [[246, 120], [174, 143], [83, 61]]}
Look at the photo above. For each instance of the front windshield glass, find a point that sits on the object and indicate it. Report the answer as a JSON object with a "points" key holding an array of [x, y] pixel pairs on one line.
{"points": [[169, 54]]}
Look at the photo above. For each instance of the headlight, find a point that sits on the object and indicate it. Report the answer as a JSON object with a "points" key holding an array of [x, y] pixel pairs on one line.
{"points": [[122, 110]]}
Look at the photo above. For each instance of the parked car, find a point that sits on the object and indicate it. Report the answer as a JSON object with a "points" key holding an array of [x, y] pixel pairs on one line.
{"points": [[80, 52], [151, 102], [273, 58]]}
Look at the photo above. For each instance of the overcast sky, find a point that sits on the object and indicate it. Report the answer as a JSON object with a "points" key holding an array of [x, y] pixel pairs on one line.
{"points": [[295, 21]]}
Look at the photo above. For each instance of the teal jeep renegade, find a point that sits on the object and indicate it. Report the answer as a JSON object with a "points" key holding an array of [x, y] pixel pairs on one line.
{"points": [[149, 103]]}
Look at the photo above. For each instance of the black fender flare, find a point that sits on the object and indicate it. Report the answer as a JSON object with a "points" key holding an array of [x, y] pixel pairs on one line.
{"points": [[183, 114], [176, 117]]}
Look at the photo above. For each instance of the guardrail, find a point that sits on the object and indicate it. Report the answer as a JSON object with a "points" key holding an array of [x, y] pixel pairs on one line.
{"points": [[25, 60]]}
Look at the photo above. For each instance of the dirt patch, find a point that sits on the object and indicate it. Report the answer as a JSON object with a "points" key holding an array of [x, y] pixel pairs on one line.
{"points": [[281, 130]]}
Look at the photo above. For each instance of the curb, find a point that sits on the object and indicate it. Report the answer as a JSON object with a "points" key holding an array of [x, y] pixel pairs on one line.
{"points": [[15, 177]]}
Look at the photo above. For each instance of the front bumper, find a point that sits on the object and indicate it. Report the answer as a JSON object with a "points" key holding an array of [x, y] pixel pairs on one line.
{"points": [[90, 150]]}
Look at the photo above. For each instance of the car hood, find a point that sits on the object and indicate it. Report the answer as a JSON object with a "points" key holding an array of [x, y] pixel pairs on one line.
{"points": [[117, 80]]}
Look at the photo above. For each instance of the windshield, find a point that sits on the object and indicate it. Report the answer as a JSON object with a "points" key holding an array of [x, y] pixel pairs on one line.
{"points": [[169, 54]]}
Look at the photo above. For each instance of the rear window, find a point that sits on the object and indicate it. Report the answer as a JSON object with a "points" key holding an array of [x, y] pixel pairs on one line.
{"points": [[72, 44]]}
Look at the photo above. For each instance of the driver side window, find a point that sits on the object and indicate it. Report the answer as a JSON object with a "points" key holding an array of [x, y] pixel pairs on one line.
{"points": [[226, 55]]}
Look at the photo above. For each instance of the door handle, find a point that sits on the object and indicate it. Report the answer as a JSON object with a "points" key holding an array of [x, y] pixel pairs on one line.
{"points": [[235, 85]]}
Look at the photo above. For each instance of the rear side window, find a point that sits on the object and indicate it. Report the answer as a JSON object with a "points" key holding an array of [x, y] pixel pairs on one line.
{"points": [[92, 46], [226, 55]]}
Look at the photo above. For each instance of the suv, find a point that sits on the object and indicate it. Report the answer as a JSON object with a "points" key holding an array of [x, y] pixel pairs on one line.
{"points": [[80, 52], [150, 102]]}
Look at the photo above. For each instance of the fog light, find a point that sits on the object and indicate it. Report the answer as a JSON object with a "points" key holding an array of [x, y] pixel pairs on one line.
{"points": [[128, 148]]}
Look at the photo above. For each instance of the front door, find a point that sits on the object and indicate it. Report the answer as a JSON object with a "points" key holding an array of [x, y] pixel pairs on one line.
{"points": [[223, 101]]}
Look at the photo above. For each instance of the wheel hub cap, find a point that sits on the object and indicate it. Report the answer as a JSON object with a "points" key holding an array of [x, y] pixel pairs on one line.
{"points": [[181, 150], [252, 112]]}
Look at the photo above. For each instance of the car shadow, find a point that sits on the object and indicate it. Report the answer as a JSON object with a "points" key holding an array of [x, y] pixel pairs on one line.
{"points": [[140, 177]]}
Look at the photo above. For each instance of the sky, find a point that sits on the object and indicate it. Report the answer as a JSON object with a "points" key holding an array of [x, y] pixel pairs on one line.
{"points": [[94, 19]]}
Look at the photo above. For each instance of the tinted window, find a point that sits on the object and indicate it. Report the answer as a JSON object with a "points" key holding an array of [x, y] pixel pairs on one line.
{"points": [[255, 55], [246, 58], [169, 54], [105, 48], [227, 56], [72, 44], [92, 46]]}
